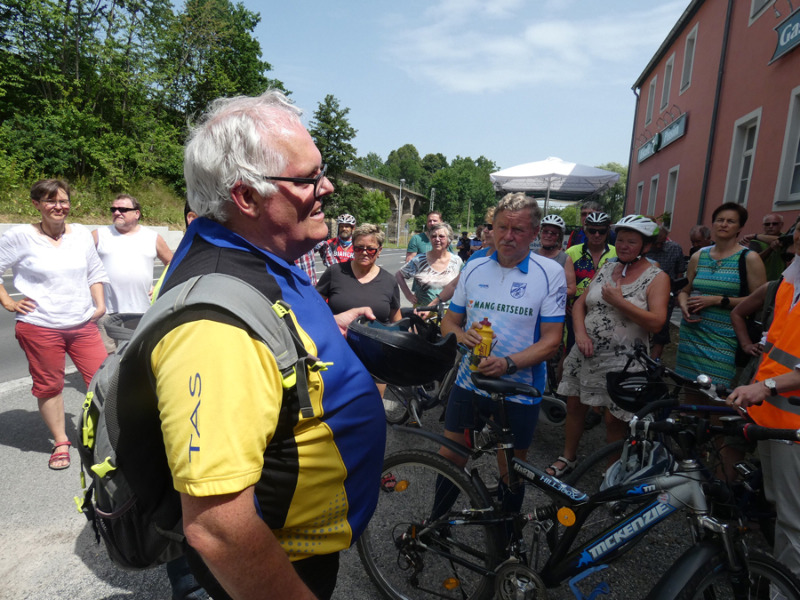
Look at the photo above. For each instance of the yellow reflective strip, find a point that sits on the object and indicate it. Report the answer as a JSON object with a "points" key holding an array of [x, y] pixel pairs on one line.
{"points": [[79, 503], [104, 468]]}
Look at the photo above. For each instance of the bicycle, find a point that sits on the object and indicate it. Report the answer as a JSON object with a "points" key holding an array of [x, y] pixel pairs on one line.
{"points": [[747, 502], [406, 404], [413, 549]]}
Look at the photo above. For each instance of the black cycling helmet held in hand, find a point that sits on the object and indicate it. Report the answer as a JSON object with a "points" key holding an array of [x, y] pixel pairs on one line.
{"points": [[397, 354]]}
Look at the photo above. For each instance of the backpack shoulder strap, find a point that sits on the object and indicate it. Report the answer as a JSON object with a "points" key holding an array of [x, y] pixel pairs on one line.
{"points": [[273, 327]]}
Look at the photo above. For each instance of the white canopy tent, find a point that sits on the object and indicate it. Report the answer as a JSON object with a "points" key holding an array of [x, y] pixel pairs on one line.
{"points": [[553, 176]]}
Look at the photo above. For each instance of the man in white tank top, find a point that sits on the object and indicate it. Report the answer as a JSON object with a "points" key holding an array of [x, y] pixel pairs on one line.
{"points": [[128, 251]]}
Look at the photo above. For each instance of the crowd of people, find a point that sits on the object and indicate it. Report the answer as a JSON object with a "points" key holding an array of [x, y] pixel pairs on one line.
{"points": [[577, 304]]}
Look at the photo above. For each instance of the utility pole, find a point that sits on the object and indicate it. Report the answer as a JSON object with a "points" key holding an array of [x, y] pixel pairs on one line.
{"points": [[400, 211]]}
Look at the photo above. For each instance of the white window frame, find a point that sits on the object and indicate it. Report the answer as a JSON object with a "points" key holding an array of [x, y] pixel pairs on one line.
{"points": [[651, 100], [791, 146], [688, 58], [757, 8], [651, 199], [736, 177], [672, 190], [637, 207], [669, 68]]}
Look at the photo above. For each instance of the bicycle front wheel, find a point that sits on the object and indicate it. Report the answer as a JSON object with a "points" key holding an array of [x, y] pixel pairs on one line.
{"points": [[409, 552], [768, 579], [395, 403]]}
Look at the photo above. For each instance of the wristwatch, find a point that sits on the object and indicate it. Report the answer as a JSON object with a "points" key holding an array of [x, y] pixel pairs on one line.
{"points": [[725, 302], [512, 367], [771, 386]]}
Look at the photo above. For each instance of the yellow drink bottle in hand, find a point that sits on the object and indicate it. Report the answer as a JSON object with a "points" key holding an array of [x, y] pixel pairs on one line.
{"points": [[484, 348]]}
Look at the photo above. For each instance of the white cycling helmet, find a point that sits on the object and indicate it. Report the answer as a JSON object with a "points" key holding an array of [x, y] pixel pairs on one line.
{"points": [[346, 219], [597, 218], [556, 221], [643, 225]]}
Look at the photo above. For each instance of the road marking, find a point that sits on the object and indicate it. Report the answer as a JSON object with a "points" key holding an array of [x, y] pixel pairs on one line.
{"points": [[15, 384]]}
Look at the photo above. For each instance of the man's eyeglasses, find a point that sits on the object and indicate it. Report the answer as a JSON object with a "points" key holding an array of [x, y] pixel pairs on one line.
{"points": [[306, 180], [592, 231], [488, 226], [122, 209], [366, 250], [772, 224], [50, 202]]}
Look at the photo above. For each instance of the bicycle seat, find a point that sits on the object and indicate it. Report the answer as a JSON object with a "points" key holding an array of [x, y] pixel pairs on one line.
{"points": [[503, 387]]}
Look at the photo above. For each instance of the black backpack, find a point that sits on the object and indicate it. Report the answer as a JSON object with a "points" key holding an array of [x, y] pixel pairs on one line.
{"points": [[130, 500]]}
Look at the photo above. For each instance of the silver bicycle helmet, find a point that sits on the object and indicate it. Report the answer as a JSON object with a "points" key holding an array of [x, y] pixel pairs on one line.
{"points": [[556, 221], [640, 459], [346, 219], [597, 218], [643, 225]]}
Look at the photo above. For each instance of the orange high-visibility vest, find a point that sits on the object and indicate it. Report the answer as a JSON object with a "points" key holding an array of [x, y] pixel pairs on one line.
{"points": [[781, 355]]}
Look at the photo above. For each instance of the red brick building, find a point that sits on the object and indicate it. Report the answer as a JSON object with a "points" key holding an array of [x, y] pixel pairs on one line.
{"points": [[718, 116]]}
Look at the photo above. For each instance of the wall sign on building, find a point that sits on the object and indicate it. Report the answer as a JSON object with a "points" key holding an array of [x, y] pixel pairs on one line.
{"points": [[663, 138], [788, 35]]}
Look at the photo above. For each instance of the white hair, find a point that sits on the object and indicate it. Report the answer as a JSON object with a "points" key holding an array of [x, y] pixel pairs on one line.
{"points": [[235, 141]]}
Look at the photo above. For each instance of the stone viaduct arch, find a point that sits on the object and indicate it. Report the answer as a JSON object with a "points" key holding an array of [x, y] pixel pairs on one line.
{"points": [[405, 210]]}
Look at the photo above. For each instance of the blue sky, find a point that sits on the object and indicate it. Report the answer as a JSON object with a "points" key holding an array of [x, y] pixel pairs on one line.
{"points": [[512, 80]]}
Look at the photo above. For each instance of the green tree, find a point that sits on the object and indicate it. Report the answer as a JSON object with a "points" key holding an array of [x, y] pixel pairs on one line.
{"points": [[374, 208], [405, 163], [371, 164], [464, 191], [332, 134], [613, 199]]}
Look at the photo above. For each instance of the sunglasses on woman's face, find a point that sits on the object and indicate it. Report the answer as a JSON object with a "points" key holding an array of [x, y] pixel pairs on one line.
{"points": [[596, 231], [366, 250]]}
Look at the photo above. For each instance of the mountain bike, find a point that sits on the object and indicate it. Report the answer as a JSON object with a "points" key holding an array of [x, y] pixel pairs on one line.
{"points": [[420, 545], [406, 404]]}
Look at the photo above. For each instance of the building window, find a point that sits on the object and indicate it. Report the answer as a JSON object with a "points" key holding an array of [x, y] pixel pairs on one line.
{"points": [[651, 100], [672, 190], [688, 58], [667, 82], [743, 154], [787, 190], [637, 209], [651, 200]]}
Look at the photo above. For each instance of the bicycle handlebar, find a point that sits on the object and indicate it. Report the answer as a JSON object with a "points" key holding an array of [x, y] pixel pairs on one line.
{"points": [[746, 431]]}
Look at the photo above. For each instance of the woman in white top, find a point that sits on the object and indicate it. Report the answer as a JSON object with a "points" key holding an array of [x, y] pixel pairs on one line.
{"points": [[431, 271], [59, 274]]}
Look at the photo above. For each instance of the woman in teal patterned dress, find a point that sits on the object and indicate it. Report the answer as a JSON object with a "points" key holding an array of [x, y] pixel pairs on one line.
{"points": [[707, 340]]}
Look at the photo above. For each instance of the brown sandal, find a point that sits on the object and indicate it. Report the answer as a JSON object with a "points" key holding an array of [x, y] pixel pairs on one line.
{"points": [[59, 456]]}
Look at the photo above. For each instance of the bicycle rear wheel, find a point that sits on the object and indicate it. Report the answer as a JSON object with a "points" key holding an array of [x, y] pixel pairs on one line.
{"points": [[768, 579], [395, 403], [409, 556]]}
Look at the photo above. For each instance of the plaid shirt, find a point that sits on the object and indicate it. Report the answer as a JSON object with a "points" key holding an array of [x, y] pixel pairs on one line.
{"points": [[306, 263], [670, 258]]}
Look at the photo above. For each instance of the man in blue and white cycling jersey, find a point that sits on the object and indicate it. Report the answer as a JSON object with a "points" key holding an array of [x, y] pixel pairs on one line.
{"points": [[524, 296]]}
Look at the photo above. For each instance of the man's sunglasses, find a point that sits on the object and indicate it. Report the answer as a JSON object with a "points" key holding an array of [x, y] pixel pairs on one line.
{"points": [[122, 209], [592, 231], [306, 180], [773, 224], [366, 250], [488, 226]]}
